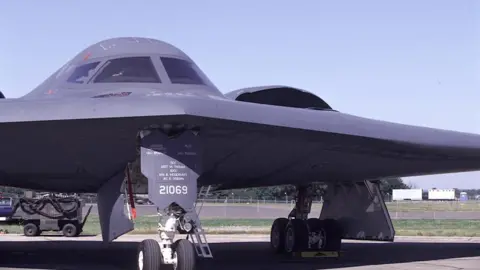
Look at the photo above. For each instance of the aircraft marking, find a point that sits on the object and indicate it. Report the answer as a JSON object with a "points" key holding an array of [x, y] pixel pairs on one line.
{"points": [[120, 94]]}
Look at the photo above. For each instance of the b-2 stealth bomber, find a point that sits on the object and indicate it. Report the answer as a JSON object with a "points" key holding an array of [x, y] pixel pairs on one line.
{"points": [[140, 112]]}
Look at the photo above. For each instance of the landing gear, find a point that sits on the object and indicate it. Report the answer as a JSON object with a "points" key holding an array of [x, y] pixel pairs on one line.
{"points": [[298, 233], [325, 234], [186, 258], [277, 235], [182, 254], [148, 255], [296, 236], [171, 163]]}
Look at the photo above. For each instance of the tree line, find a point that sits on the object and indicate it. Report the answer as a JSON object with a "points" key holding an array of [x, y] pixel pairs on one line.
{"points": [[288, 191], [276, 192]]}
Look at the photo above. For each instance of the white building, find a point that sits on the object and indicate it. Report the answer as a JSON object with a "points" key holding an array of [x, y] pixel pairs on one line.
{"points": [[407, 194], [441, 194]]}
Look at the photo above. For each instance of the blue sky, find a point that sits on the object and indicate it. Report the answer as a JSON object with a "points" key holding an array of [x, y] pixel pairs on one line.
{"points": [[413, 62]]}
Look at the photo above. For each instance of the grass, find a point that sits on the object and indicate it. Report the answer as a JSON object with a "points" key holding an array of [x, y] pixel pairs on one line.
{"points": [[148, 225], [454, 206], [469, 228], [420, 206]]}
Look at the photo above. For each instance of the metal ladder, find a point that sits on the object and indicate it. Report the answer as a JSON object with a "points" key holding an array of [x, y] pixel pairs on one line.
{"points": [[198, 237], [202, 194]]}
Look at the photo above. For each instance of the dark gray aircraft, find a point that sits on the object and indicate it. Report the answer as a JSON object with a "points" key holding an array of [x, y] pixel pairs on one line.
{"points": [[140, 109]]}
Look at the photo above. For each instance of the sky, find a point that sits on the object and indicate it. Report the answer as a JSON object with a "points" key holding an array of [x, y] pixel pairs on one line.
{"points": [[412, 62]]}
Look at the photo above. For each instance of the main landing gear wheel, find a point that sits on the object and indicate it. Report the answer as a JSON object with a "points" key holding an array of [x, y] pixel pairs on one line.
{"points": [[186, 257], [315, 226], [329, 233], [296, 236], [149, 255], [277, 235]]}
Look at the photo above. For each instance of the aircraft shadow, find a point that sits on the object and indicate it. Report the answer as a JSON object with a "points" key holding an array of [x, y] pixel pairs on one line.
{"points": [[122, 255], [49, 234]]}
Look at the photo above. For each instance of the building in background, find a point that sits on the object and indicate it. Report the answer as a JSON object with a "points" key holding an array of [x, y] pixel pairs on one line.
{"points": [[435, 194], [406, 194]]}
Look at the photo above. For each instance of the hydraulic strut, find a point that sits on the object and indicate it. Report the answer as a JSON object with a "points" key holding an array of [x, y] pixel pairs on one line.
{"points": [[130, 192]]}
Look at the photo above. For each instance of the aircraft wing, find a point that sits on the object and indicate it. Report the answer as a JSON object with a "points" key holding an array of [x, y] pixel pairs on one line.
{"points": [[248, 144], [80, 126]]}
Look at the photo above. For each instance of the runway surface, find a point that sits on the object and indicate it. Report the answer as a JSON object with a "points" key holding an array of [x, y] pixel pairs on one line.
{"points": [[232, 211], [240, 252]]}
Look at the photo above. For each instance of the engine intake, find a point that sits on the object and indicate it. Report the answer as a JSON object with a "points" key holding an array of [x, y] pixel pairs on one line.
{"points": [[280, 96]]}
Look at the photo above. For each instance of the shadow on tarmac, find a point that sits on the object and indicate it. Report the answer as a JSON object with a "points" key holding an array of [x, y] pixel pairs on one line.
{"points": [[122, 255]]}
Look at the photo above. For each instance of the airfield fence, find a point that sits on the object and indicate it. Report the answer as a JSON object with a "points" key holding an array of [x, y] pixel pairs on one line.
{"points": [[260, 208], [427, 210], [249, 208], [398, 206], [393, 206]]}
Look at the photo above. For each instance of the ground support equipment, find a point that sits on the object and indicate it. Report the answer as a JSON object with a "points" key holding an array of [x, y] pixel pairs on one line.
{"points": [[51, 213]]}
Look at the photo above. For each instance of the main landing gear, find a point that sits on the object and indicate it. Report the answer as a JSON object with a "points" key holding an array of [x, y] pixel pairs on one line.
{"points": [[298, 233]]}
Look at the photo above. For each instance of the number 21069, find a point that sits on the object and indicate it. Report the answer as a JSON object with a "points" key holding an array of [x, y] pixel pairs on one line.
{"points": [[173, 190]]}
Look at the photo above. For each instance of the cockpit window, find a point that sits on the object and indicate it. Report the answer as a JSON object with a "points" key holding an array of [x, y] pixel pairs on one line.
{"points": [[82, 73], [181, 72], [128, 70]]}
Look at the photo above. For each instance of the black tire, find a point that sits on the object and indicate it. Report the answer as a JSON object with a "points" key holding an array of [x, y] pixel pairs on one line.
{"points": [[30, 229], [69, 230], [149, 255], [315, 226], [334, 232], [296, 236], [277, 235], [39, 232], [186, 255]]}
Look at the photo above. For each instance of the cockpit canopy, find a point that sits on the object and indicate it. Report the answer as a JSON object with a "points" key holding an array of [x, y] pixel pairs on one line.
{"points": [[140, 64], [136, 69]]}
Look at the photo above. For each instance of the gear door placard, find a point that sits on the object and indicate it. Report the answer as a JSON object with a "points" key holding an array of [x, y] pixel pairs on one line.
{"points": [[172, 166]]}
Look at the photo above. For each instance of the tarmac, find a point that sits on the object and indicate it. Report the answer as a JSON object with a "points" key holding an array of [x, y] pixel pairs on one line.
{"points": [[240, 252], [247, 251], [254, 211]]}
